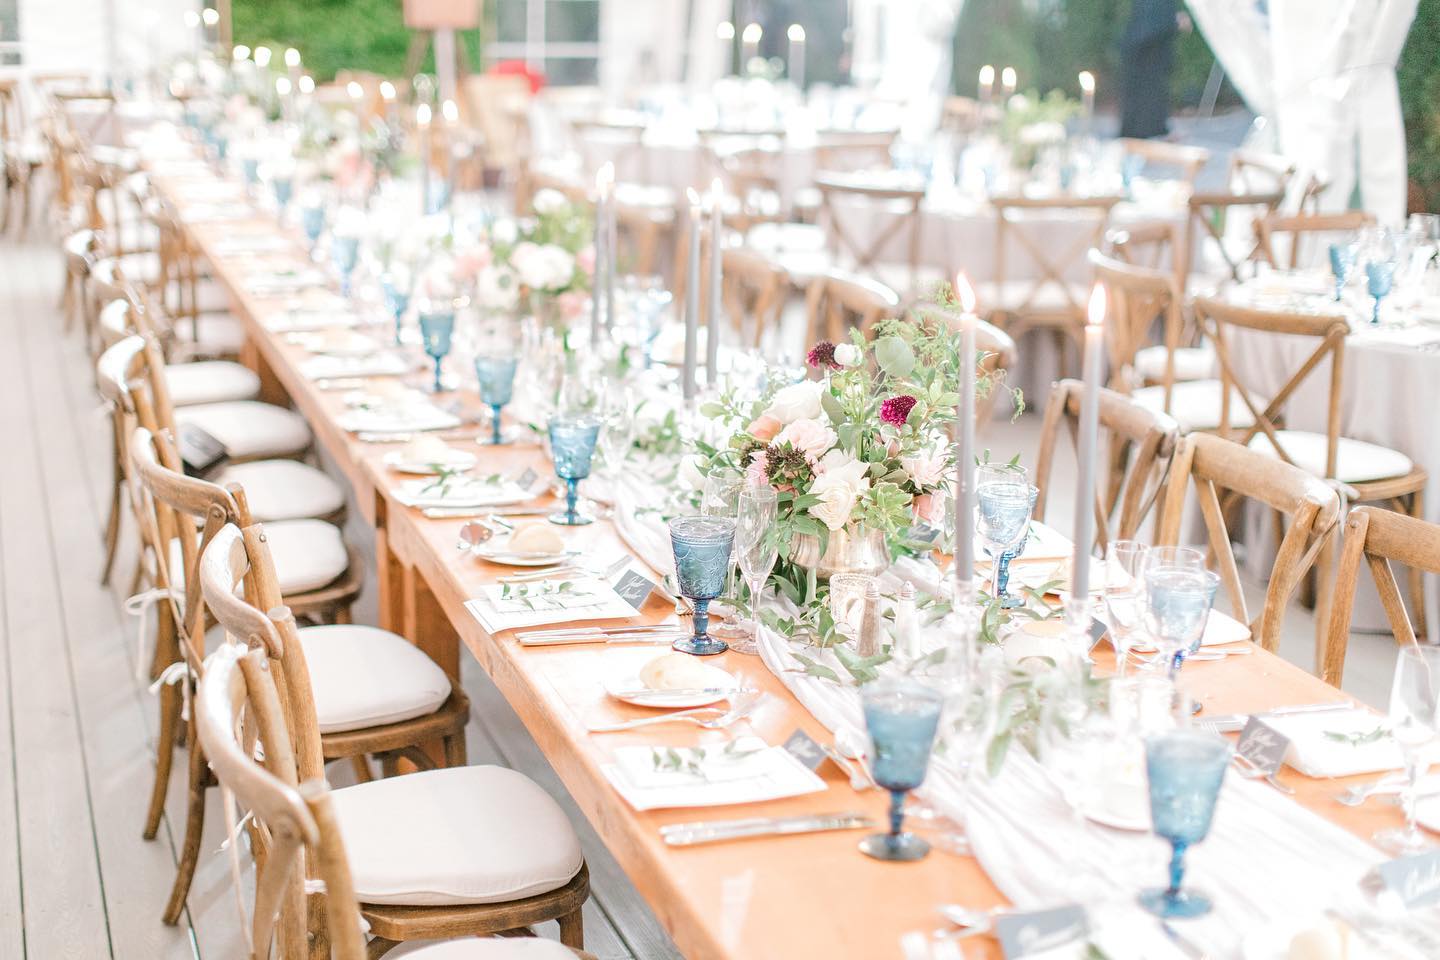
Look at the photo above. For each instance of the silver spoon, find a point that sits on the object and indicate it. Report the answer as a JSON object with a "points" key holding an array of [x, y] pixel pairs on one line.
{"points": [[970, 921]]}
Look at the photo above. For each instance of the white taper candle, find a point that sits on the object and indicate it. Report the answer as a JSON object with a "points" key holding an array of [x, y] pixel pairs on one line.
{"points": [[1088, 444]]}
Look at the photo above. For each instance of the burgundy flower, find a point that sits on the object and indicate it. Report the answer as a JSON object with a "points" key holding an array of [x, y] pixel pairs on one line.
{"points": [[894, 410], [822, 355]]}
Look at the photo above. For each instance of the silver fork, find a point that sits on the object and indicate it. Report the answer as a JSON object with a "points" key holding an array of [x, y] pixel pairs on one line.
{"points": [[1359, 794], [740, 707]]}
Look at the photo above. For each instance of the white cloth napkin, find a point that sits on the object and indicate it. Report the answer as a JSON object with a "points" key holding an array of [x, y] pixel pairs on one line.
{"points": [[273, 282], [409, 418], [769, 773], [297, 321], [386, 364], [593, 599], [461, 492], [1316, 754]]}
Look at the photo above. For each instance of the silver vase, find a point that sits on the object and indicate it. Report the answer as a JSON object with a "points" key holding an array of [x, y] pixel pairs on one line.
{"points": [[852, 549]]}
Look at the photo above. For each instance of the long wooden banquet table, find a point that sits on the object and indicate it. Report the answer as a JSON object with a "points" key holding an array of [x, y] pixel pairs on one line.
{"points": [[804, 896]]}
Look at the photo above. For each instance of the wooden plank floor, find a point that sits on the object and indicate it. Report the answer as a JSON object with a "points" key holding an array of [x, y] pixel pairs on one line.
{"points": [[77, 727]]}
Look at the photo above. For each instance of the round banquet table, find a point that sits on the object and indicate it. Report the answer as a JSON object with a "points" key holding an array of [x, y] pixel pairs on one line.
{"points": [[1389, 393]]}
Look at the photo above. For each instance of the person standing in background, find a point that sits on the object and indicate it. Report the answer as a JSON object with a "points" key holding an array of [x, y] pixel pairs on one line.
{"points": [[1147, 56]]}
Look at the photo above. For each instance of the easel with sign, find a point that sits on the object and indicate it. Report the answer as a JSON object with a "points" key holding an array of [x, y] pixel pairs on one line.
{"points": [[434, 22]]}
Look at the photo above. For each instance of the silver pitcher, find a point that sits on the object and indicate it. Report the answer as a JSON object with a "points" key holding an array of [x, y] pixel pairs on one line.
{"points": [[852, 549]]}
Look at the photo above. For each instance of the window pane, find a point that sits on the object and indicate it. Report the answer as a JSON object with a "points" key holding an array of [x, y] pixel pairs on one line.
{"points": [[510, 21], [571, 71], [572, 21]]}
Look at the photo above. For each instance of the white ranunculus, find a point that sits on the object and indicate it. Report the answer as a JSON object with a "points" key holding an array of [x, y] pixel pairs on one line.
{"points": [[543, 267], [811, 437], [497, 288], [504, 232], [690, 473], [926, 468], [837, 498], [844, 465], [847, 354], [799, 401], [549, 201]]}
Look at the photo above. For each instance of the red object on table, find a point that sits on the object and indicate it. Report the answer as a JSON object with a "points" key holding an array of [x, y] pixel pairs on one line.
{"points": [[518, 68]]}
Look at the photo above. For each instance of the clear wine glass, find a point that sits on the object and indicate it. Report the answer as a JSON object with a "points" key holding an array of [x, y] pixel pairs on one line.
{"points": [[757, 551], [1414, 722], [1177, 604], [617, 410], [1005, 499], [1124, 596]]}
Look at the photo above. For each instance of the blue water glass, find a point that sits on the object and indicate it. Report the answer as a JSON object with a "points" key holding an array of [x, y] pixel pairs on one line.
{"points": [[250, 168], [1379, 278], [437, 326], [1186, 768], [572, 447], [1003, 518], [901, 716], [345, 251], [496, 376], [312, 221], [1002, 574], [283, 187], [1342, 261], [222, 147], [1067, 176], [702, 547], [397, 300], [1177, 604]]}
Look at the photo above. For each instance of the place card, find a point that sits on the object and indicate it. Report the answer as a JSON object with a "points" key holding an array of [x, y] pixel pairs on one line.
{"points": [[1414, 880], [527, 479], [1036, 931], [803, 747], [635, 588], [1262, 746]]}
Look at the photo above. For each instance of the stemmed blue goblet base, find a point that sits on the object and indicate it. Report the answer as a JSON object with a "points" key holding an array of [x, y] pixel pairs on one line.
{"points": [[571, 517], [896, 845], [701, 644]]}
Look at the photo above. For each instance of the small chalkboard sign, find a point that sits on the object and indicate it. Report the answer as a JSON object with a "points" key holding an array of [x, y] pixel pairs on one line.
{"points": [[1039, 931], [1262, 746], [803, 747], [635, 588], [1414, 880]]}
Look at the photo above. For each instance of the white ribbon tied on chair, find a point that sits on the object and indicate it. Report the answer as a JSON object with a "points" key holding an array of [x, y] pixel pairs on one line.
{"points": [[138, 606]]}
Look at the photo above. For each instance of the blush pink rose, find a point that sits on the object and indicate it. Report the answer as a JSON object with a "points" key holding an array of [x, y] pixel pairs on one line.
{"points": [[571, 304], [764, 428], [924, 506], [755, 473], [585, 260], [469, 263]]}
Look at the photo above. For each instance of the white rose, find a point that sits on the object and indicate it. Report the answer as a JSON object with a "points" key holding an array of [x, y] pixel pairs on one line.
{"points": [[846, 467], [690, 473], [837, 499], [496, 288], [810, 437], [545, 267], [504, 232], [926, 468], [847, 354], [548, 201], [799, 401]]}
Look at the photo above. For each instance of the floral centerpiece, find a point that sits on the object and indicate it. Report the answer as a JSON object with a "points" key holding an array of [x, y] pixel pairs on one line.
{"points": [[1033, 124], [550, 259], [861, 454]]}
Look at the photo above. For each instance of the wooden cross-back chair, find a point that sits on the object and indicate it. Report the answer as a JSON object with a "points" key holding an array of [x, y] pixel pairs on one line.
{"points": [[1377, 538], [1297, 227], [21, 158], [851, 150], [752, 177], [1140, 443], [1219, 468], [439, 905], [195, 309], [645, 221], [1257, 185], [1051, 299], [294, 824], [896, 207], [837, 300], [754, 292], [618, 139], [1186, 161], [1137, 299]]}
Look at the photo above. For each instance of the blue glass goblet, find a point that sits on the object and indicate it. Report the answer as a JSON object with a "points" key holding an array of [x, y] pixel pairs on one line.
{"points": [[702, 547], [437, 326], [312, 221], [283, 187], [222, 147], [1342, 261], [572, 447], [250, 169], [1002, 517], [1177, 604], [397, 299], [1186, 768], [345, 250], [1002, 574], [1379, 278], [496, 376], [901, 716]]}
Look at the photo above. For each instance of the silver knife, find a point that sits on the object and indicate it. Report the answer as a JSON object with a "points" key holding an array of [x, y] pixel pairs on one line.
{"points": [[665, 638], [1235, 722], [690, 834], [634, 628], [462, 513], [658, 697]]}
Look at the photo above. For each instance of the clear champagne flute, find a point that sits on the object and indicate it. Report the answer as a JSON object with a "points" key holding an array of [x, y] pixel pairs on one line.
{"points": [[1124, 596], [757, 551], [1414, 701], [721, 498]]}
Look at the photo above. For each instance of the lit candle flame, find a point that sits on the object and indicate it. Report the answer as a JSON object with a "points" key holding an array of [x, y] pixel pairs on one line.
{"points": [[241, 52], [725, 30], [694, 201], [450, 112], [1007, 78], [211, 16], [192, 19], [307, 83], [753, 33], [262, 56], [796, 33], [387, 90], [1087, 81], [964, 293], [292, 57], [987, 75], [1097, 306], [282, 86], [422, 115], [355, 90]]}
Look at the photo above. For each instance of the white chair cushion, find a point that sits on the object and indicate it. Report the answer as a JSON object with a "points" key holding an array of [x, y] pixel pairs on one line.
{"points": [[248, 429], [1195, 405], [482, 948], [1355, 460], [460, 835], [365, 676], [308, 554], [1191, 363], [284, 489], [211, 334], [210, 381]]}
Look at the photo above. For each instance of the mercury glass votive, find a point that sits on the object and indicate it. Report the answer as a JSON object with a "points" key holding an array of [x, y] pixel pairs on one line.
{"points": [[496, 377], [572, 447], [702, 548]]}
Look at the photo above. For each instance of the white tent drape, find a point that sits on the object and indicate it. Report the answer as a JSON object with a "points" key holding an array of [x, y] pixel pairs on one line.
{"points": [[1324, 71]]}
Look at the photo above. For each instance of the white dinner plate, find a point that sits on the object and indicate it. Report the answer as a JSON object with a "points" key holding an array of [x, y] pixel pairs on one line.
{"points": [[714, 678], [457, 460], [501, 555], [1272, 941]]}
